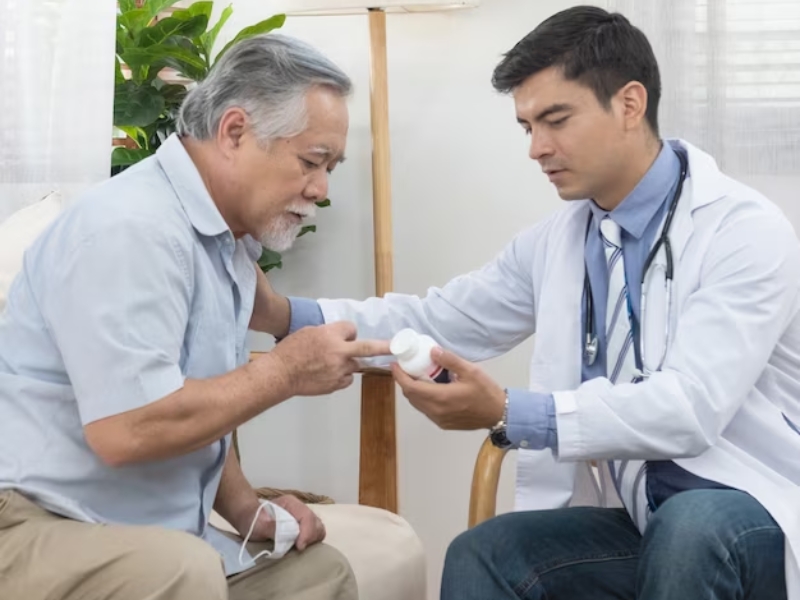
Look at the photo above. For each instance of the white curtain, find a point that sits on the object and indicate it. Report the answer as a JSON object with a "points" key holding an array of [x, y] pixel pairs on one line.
{"points": [[57, 81], [731, 84]]}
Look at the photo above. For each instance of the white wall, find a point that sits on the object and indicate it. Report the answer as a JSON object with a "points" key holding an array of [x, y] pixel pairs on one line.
{"points": [[463, 185]]}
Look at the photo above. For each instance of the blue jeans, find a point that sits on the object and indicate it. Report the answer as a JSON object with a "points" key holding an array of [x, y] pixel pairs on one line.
{"points": [[700, 544]]}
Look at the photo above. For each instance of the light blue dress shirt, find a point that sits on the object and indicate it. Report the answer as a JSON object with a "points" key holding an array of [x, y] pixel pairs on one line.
{"points": [[531, 416], [136, 287]]}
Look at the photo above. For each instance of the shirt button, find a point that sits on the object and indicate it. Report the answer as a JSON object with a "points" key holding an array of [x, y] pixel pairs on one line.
{"points": [[524, 443]]}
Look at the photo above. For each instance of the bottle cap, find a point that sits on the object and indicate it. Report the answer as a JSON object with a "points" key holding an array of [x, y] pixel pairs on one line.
{"points": [[405, 343]]}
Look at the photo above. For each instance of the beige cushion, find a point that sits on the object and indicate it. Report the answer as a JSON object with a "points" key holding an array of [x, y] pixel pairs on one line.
{"points": [[18, 232], [384, 551]]}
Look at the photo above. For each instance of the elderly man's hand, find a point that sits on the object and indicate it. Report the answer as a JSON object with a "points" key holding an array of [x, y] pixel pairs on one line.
{"points": [[471, 401], [320, 360], [312, 530]]}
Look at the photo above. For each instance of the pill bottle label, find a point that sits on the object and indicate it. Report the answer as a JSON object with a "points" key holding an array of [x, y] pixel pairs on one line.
{"points": [[439, 374]]}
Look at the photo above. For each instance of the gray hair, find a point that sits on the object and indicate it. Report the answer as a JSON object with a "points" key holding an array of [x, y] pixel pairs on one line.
{"points": [[268, 76]]}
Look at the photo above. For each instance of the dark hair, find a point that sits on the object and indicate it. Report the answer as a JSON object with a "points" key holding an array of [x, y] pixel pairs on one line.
{"points": [[599, 49]]}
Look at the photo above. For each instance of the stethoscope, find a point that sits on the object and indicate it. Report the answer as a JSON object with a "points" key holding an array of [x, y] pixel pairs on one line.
{"points": [[591, 346]]}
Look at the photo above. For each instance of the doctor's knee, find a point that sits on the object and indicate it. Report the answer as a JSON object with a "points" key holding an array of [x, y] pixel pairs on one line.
{"points": [[702, 523]]}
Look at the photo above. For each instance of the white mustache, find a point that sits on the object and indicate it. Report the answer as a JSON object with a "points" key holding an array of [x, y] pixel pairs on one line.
{"points": [[306, 213]]}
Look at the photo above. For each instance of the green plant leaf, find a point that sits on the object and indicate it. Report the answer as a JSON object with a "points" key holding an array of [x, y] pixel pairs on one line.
{"points": [[134, 21], [158, 33], [137, 134], [270, 260], [198, 8], [209, 38], [126, 6], [159, 131], [157, 57], [136, 105], [324, 203], [265, 26], [124, 157], [173, 94], [307, 229], [156, 6], [118, 76]]}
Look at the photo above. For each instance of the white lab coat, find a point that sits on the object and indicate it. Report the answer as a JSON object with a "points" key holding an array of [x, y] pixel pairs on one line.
{"points": [[732, 372]]}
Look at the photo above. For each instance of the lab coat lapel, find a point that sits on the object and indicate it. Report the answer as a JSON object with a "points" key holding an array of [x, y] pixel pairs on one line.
{"points": [[569, 299], [541, 481]]}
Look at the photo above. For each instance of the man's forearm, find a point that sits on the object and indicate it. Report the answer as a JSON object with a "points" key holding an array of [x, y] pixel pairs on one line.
{"points": [[271, 311], [200, 413], [236, 499]]}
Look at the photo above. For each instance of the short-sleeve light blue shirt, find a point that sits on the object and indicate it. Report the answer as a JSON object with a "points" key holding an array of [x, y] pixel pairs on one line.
{"points": [[136, 287]]}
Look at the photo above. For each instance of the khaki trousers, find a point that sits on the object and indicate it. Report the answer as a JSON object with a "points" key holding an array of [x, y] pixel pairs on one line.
{"points": [[47, 557]]}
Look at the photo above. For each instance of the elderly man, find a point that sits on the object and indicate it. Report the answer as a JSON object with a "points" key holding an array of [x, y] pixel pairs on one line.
{"points": [[123, 362]]}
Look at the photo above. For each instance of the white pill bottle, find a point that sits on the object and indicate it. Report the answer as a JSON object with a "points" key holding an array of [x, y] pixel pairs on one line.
{"points": [[413, 353]]}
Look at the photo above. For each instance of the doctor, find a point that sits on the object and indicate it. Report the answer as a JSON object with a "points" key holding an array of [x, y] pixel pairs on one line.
{"points": [[664, 299]]}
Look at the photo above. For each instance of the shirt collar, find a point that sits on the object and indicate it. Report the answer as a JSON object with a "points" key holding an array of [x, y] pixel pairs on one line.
{"points": [[189, 187], [639, 207]]}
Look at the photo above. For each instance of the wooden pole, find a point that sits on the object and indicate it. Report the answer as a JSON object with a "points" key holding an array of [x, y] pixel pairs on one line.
{"points": [[378, 468], [381, 163]]}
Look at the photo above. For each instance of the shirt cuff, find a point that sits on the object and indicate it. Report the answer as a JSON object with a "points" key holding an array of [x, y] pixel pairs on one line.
{"points": [[531, 420], [305, 313]]}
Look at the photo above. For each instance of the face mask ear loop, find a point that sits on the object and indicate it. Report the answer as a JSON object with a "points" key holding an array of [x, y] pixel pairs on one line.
{"points": [[249, 535]]}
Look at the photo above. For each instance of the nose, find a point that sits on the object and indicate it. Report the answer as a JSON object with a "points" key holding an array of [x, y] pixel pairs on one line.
{"points": [[540, 145], [317, 188]]}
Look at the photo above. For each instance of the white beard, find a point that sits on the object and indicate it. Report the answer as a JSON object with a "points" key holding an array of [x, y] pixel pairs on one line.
{"points": [[279, 236], [283, 231]]}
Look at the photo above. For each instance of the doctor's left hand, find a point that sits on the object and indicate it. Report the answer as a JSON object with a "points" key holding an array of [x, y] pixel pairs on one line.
{"points": [[471, 401]]}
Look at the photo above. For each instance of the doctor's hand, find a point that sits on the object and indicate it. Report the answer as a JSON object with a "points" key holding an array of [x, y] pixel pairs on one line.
{"points": [[320, 360], [471, 401]]}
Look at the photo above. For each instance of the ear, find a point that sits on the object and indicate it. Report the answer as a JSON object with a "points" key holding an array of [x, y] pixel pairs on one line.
{"points": [[232, 127], [633, 100]]}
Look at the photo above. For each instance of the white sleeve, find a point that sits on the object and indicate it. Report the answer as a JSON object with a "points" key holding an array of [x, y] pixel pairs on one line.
{"points": [[478, 316]]}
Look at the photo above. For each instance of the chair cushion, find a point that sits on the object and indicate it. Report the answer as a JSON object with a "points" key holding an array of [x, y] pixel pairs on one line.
{"points": [[18, 232], [384, 551]]}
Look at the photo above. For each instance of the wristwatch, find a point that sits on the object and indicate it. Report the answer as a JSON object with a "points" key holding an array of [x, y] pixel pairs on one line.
{"points": [[498, 433]]}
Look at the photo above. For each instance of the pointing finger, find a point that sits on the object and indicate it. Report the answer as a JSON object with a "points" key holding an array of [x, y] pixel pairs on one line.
{"points": [[368, 348]]}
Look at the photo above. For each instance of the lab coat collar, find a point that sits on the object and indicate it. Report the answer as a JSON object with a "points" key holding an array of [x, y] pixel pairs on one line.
{"points": [[704, 184]]}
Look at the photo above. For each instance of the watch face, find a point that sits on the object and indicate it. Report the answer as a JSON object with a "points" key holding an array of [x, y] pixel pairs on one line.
{"points": [[500, 439]]}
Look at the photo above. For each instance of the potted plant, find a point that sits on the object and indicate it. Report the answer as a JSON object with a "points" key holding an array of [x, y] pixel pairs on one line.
{"points": [[161, 51]]}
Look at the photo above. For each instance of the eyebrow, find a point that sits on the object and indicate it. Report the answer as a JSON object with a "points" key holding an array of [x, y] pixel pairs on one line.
{"points": [[326, 153], [550, 110]]}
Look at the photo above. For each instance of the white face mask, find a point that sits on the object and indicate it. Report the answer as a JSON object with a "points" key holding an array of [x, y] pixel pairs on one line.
{"points": [[286, 531]]}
